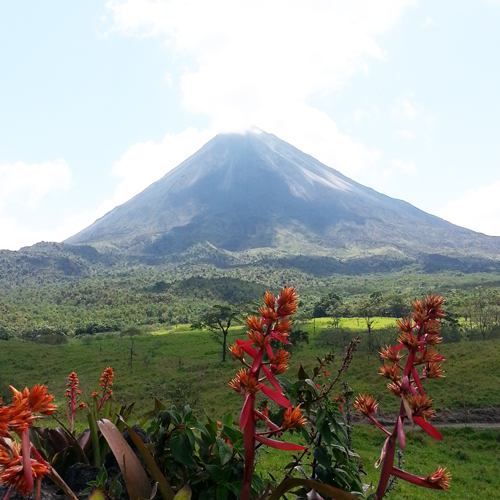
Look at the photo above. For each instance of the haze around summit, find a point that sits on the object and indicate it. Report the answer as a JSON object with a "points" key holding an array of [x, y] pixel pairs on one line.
{"points": [[99, 100]]}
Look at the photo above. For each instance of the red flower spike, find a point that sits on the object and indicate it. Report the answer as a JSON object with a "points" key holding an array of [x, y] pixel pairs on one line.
{"points": [[275, 396], [245, 345], [428, 428], [271, 379], [279, 445], [246, 411], [439, 480], [417, 380]]}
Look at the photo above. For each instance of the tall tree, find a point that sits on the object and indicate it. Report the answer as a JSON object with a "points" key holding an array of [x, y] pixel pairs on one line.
{"points": [[218, 320]]}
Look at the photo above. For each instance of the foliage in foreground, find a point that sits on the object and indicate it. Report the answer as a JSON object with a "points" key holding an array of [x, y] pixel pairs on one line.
{"points": [[216, 460]]}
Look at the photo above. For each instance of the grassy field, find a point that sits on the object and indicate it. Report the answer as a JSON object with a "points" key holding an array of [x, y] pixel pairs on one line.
{"points": [[183, 366], [470, 455]]}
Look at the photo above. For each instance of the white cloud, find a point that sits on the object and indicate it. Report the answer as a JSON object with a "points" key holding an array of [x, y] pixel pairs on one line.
{"points": [[478, 209], [258, 62], [396, 167], [404, 134], [428, 23], [144, 163], [360, 115], [403, 108], [26, 184]]}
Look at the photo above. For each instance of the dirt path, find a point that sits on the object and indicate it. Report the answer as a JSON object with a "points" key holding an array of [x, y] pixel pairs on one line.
{"points": [[477, 418]]}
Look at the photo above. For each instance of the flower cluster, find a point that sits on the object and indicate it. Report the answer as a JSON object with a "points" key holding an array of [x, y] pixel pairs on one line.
{"points": [[17, 468], [106, 383], [72, 393], [418, 336], [273, 323]]}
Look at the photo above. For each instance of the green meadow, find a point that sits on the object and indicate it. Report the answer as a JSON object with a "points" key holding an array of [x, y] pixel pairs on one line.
{"points": [[180, 366]]}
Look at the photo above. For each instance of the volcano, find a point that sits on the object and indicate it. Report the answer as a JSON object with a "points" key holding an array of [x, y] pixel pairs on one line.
{"points": [[252, 192]]}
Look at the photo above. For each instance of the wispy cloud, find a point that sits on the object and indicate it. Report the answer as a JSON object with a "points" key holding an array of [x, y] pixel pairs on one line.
{"points": [[259, 62], [477, 209], [405, 108]]}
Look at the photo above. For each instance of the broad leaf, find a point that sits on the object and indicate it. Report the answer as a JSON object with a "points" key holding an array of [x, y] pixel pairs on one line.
{"points": [[134, 475]]}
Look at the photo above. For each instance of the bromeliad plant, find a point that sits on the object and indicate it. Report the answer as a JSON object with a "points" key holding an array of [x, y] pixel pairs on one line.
{"points": [[21, 464], [273, 324], [419, 336]]}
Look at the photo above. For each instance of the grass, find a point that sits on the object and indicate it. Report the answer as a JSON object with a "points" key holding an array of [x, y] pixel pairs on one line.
{"points": [[183, 366], [470, 455]]}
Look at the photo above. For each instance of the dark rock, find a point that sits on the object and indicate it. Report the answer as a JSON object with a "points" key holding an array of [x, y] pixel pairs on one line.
{"points": [[79, 475]]}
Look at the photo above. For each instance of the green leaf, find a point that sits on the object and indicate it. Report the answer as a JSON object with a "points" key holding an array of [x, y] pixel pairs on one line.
{"points": [[225, 451], [184, 493], [212, 428], [302, 375], [233, 434], [190, 435], [235, 487], [176, 416], [181, 449], [322, 456], [326, 433], [311, 386], [227, 420], [305, 434], [94, 434], [222, 492]]}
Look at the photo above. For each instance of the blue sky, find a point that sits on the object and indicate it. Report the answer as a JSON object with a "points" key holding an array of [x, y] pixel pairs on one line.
{"points": [[100, 99]]}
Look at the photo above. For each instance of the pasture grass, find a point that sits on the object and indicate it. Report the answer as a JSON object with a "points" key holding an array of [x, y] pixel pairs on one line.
{"points": [[184, 366]]}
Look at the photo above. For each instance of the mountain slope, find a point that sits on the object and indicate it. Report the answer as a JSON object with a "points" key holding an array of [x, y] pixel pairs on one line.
{"points": [[240, 193]]}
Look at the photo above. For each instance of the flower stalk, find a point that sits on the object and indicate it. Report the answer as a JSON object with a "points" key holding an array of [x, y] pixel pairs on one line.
{"points": [[418, 336], [272, 324]]}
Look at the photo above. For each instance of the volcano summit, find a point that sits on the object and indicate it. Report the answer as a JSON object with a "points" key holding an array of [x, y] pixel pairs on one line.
{"points": [[252, 192]]}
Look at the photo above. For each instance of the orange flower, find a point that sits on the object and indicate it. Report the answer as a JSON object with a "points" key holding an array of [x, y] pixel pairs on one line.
{"points": [[395, 389], [243, 382], [433, 370], [237, 351], [21, 417], [287, 302], [280, 357], [282, 327], [279, 369], [12, 471], [40, 401], [293, 418], [366, 405], [390, 371], [107, 378], [268, 314], [421, 406], [5, 417], [390, 354], [269, 300], [255, 324], [258, 339], [433, 307], [409, 340], [440, 478], [405, 325]]}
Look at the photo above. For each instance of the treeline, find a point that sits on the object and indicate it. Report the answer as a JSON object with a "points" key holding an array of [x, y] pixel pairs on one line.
{"points": [[470, 314]]}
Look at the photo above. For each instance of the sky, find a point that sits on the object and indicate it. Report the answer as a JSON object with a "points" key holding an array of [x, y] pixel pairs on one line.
{"points": [[100, 99]]}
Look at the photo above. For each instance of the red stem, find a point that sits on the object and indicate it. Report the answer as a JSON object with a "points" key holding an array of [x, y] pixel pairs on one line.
{"points": [[26, 458]]}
